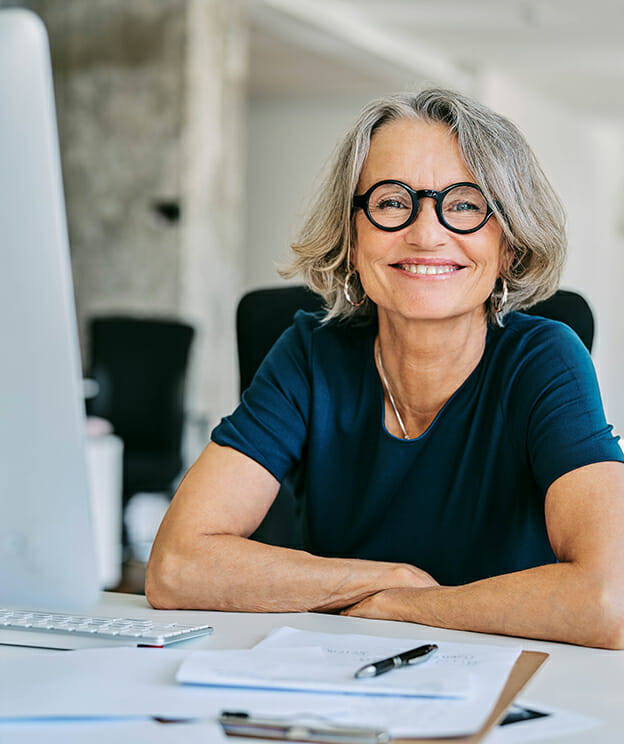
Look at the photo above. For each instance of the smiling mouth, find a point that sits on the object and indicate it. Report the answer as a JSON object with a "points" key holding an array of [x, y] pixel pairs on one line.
{"points": [[429, 269]]}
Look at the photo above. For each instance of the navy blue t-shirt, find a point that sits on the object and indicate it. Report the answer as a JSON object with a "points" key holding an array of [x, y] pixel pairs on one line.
{"points": [[463, 501]]}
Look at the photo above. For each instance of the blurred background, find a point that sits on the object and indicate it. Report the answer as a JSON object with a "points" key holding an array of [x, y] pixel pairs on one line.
{"points": [[193, 133]]}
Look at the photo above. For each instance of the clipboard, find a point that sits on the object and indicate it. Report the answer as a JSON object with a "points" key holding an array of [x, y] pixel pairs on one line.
{"points": [[238, 724]]}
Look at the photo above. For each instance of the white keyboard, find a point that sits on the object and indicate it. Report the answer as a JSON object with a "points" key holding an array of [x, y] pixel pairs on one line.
{"points": [[124, 630]]}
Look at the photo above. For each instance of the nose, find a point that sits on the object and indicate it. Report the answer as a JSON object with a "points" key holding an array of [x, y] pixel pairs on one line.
{"points": [[425, 229]]}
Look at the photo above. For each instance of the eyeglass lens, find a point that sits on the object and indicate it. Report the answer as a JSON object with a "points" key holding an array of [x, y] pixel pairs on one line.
{"points": [[463, 207]]}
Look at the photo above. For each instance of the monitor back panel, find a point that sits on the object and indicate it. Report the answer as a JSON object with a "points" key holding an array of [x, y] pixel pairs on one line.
{"points": [[47, 556]]}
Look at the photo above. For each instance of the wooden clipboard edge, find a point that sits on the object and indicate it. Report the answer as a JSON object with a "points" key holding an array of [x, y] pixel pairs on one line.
{"points": [[523, 670]]}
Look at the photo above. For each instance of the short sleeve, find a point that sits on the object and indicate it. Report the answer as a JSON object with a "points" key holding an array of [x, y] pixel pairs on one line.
{"points": [[270, 424], [566, 426]]}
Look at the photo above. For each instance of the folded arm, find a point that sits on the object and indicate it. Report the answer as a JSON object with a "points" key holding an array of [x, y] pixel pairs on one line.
{"points": [[578, 600], [202, 558]]}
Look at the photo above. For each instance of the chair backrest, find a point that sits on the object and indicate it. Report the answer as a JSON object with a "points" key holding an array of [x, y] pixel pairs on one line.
{"points": [[570, 308], [140, 366], [262, 316]]}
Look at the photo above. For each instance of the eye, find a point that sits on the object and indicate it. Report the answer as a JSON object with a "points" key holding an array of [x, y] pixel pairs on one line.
{"points": [[464, 200], [463, 206], [390, 197], [390, 203]]}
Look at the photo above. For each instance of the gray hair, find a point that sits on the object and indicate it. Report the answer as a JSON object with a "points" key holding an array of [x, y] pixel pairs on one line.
{"points": [[530, 214]]}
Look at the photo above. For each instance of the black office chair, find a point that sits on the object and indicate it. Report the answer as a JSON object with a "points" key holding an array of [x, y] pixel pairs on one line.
{"points": [[570, 308], [262, 316], [140, 367]]}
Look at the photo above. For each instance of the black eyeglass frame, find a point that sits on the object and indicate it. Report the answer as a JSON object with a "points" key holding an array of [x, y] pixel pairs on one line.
{"points": [[362, 201]]}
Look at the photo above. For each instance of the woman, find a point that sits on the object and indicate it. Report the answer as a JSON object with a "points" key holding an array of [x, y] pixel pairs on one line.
{"points": [[454, 466]]}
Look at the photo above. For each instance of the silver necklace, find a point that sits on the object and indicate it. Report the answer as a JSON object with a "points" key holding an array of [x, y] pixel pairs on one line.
{"points": [[390, 396]]}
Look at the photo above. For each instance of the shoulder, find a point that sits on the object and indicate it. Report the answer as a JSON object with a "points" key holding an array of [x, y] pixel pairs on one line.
{"points": [[318, 335], [316, 323], [551, 395], [527, 339], [312, 346], [529, 330], [532, 356]]}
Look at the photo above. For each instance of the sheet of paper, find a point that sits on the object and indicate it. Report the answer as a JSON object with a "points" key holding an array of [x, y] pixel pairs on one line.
{"points": [[315, 669]]}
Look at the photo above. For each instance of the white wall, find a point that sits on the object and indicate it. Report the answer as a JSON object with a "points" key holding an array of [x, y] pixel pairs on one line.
{"points": [[583, 158], [289, 142]]}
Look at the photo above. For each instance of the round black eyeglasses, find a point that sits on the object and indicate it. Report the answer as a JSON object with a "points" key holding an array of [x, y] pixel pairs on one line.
{"points": [[392, 205]]}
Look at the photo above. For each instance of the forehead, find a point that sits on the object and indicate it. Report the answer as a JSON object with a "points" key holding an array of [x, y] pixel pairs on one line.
{"points": [[420, 153]]}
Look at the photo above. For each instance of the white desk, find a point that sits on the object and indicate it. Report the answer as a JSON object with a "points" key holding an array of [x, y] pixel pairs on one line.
{"points": [[587, 681]]}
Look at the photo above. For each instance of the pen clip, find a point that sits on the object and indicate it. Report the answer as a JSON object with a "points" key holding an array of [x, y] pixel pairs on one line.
{"points": [[429, 650]]}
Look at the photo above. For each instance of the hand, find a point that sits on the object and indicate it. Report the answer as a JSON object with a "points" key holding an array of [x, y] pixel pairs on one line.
{"points": [[389, 604], [393, 604], [406, 575]]}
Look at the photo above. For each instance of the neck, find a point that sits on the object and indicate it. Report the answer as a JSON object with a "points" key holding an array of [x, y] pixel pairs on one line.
{"points": [[423, 365]]}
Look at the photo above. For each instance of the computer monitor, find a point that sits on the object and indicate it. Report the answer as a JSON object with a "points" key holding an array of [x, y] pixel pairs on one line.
{"points": [[47, 552]]}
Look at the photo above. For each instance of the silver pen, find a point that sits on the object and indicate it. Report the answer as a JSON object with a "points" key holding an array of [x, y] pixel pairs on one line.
{"points": [[413, 656], [297, 728]]}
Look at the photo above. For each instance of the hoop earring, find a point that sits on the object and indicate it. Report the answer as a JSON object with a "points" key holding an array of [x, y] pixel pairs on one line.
{"points": [[498, 302], [347, 289], [502, 301]]}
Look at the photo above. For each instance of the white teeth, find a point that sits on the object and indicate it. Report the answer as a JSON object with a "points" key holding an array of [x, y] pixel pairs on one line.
{"points": [[428, 268]]}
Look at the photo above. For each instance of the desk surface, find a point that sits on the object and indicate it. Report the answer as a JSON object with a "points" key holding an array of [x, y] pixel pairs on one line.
{"points": [[586, 681]]}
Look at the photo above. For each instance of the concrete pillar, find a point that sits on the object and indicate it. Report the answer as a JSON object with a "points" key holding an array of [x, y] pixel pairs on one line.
{"points": [[212, 189], [119, 71]]}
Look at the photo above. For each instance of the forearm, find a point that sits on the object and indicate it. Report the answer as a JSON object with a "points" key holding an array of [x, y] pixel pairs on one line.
{"points": [[559, 602], [227, 572]]}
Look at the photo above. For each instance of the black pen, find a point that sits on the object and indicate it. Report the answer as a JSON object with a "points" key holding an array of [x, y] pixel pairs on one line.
{"points": [[413, 656]]}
